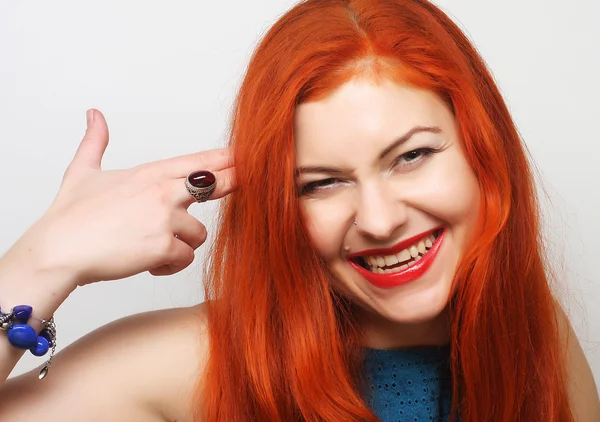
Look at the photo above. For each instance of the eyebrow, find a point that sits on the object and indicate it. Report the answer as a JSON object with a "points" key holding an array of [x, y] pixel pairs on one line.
{"points": [[401, 140], [406, 137], [317, 169]]}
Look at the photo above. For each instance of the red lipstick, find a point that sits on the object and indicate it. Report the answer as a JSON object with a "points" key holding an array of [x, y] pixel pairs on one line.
{"points": [[407, 275]]}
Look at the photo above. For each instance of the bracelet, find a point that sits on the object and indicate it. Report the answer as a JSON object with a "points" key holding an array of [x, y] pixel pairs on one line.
{"points": [[22, 335]]}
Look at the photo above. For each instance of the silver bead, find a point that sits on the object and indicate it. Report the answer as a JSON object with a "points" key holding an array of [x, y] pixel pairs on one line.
{"points": [[5, 321], [50, 327]]}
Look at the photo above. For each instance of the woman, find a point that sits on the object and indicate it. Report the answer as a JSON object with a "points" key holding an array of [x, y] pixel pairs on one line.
{"points": [[382, 203]]}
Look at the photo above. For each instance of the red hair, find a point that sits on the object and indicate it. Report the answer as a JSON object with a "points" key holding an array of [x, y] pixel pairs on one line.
{"points": [[283, 345]]}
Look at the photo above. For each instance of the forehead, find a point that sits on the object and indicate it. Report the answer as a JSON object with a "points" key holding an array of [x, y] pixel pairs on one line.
{"points": [[367, 113]]}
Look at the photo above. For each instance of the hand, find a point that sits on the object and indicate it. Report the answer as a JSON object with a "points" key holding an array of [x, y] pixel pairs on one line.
{"points": [[108, 225]]}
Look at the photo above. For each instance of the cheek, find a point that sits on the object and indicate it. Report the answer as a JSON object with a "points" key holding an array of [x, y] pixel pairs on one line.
{"points": [[458, 197], [462, 194], [448, 190], [326, 222]]}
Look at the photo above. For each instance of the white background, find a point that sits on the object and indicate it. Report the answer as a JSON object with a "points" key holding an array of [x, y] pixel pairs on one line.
{"points": [[165, 75]]}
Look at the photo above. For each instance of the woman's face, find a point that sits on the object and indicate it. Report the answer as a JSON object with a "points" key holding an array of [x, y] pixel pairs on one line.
{"points": [[389, 158]]}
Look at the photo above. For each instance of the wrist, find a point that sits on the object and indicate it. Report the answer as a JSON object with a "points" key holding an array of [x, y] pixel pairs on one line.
{"points": [[25, 280], [37, 255]]}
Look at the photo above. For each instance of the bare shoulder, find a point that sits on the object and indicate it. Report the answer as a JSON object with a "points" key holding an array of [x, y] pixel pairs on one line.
{"points": [[583, 394], [142, 367]]}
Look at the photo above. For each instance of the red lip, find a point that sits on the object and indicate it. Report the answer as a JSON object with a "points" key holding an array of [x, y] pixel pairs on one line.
{"points": [[412, 273], [396, 248]]}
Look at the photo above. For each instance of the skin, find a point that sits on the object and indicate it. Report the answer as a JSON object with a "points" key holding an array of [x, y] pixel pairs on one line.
{"points": [[392, 198], [145, 367]]}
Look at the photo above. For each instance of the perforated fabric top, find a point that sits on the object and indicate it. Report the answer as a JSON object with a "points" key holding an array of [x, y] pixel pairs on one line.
{"points": [[413, 385]]}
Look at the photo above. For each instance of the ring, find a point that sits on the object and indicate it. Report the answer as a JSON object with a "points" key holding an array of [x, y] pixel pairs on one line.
{"points": [[201, 185]]}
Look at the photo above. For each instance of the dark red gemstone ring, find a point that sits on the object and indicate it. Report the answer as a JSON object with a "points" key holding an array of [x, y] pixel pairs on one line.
{"points": [[201, 185]]}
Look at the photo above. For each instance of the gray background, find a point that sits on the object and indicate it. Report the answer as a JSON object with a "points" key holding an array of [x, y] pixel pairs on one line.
{"points": [[165, 75]]}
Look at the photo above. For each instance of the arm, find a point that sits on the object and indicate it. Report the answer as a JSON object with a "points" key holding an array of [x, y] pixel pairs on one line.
{"points": [[140, 368], [25, 280], [143, 367], [583, 394]]}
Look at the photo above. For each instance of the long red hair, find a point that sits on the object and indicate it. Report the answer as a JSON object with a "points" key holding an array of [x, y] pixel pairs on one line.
{"points": [[283, 345]]}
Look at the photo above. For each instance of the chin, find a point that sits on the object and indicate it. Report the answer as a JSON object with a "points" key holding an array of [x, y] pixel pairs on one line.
{"points": [[412, 307], [413, 314]]}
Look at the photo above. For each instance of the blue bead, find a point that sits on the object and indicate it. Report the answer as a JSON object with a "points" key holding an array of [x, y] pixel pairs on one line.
{"points": [[41, 348], [22, 336], [22, 313], [47, 336]]}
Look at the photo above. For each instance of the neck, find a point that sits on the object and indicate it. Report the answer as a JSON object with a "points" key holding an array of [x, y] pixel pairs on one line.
{"points": [[381, 333]]}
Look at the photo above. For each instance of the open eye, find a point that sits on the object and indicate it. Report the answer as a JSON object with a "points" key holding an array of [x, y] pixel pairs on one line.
{"points": [[413, 157]]}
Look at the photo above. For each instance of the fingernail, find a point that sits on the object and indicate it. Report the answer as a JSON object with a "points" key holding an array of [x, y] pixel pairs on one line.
{"points": [[90, 117]]}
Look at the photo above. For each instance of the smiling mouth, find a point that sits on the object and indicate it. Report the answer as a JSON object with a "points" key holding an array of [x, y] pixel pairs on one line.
{"points": [[388, 264]]}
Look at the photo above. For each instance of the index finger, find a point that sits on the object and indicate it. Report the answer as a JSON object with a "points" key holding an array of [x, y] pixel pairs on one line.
{"points": [[226, 183], [179, 167]]}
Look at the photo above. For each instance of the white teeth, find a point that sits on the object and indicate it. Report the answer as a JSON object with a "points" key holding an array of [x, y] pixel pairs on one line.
{"points": [[403, 256], [413, 254], [391, 260]]}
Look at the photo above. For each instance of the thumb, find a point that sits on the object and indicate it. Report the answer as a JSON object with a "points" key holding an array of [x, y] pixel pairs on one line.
{"points": [[91, 149]]}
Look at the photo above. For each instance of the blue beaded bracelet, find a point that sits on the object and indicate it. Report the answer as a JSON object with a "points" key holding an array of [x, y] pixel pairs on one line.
{"points": [[22, 336]]}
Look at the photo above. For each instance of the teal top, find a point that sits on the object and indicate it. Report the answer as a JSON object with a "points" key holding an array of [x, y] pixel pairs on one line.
{"points": [[413, 385]]}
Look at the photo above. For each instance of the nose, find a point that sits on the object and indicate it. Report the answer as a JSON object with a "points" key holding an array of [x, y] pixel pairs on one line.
{"points": [[380, 211]]}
